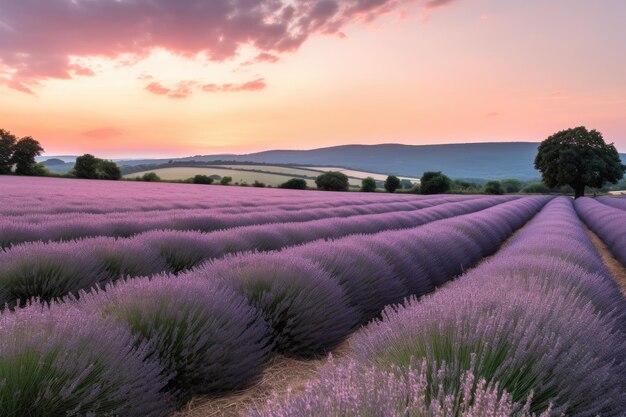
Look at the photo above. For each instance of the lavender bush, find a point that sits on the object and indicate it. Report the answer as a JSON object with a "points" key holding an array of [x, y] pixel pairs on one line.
{"points": [[62, 362], [306, 308], [27, 272], [367, 279], [208, 338], [608, 222], [352, 390]]}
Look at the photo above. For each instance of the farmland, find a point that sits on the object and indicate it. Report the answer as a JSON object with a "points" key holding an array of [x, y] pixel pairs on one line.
{"points": [[133, 299]]}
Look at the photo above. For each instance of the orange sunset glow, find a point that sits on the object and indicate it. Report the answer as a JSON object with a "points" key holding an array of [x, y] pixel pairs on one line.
{"points": [[174, 78]]}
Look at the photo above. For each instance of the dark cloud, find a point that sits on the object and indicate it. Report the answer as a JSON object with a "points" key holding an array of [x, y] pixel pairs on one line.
{"points": [[39, 38]]}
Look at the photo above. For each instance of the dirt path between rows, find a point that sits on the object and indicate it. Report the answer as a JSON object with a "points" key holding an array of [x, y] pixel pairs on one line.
{"points": [[615, 267]]}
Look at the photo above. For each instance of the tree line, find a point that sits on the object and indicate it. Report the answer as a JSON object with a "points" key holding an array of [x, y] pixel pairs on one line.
{"points": [[569, 161]]}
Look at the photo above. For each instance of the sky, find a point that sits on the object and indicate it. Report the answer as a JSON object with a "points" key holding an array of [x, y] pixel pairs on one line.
{"points": [[161, 78]]}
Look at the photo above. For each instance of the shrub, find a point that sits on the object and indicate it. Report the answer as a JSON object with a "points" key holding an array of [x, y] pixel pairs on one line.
{"points": [[353, 390], [368, 281], [150, 177], [434, 183], [368, 185], [226, 180], [493, 187], [304, 306], [523, 335], [182, 250], [332, 181], [202, 179], [258, 184], [46, 272], [511, 185], [108, 170], [294, 184], [62, 362], [392, 183], [207, 337]]}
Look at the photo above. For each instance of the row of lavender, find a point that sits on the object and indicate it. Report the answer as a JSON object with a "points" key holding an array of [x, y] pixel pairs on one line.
{"points": [[607, 221], [52, 270], [144, 346], [539, 328], [30, 195], [53, 228]]}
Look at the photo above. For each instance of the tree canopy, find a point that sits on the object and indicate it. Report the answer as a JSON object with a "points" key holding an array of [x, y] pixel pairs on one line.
{"points": [[494, 187], [294, 184], [434, 183], [7, 142], [89, 167], [25, 151], [332, 181], [392, 183], [368, 185], [579, 158]]}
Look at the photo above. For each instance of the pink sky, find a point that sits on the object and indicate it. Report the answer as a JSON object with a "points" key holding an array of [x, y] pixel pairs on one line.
{"points": [[134, 78]]}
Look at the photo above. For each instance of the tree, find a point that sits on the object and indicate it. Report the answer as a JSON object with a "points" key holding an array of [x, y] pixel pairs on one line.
{"points": [[202, 179], [434, 183], [392, 183], [406, 184], [24, 153], [150, 177], [494, 187], [368, 185], [226, 180], [579, 158], [511, 185], [332, 181], [258, 184], [294, 184], [7, 143], [108, 170], [86, 166]]}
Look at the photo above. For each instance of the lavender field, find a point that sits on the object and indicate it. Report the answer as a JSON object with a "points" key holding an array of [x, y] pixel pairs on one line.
{"points": [[131, 299]]}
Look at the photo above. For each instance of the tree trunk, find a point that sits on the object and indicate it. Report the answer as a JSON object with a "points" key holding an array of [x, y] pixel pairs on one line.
{"points": [[579, 191]]}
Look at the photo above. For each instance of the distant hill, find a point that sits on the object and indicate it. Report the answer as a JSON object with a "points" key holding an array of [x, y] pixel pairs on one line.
{"points": [[474, 160], [497, 160]]}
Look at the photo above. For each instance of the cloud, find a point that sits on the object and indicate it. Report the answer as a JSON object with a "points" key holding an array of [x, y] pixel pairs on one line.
{"points": [[40, 39], [185, 89], [102, 133], [254, 85]]}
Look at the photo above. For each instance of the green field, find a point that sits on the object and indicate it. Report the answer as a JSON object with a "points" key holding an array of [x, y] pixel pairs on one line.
{"points": [[182, 173]]}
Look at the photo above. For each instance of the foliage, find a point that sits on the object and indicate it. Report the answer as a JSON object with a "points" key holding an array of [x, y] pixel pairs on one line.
{"points": [[435, 183], [150, 177], [202, 179], [7, 142], [108, 170], [294, 184], [351, 389], [62, 362], [306, 309], [368, 185], [24, 152], [579, 158], [226, 180], [494, 187], [89, 167], [332, 181], [392, 183], [406, 184], [258, 184], [511, 185], [208, 338]]}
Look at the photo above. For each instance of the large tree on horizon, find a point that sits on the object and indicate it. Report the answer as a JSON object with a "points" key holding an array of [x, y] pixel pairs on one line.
{"points": [[579, 158]]}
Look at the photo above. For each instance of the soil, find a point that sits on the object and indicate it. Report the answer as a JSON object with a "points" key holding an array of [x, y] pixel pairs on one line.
{"points": [[615, 267], [281, 375]]}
